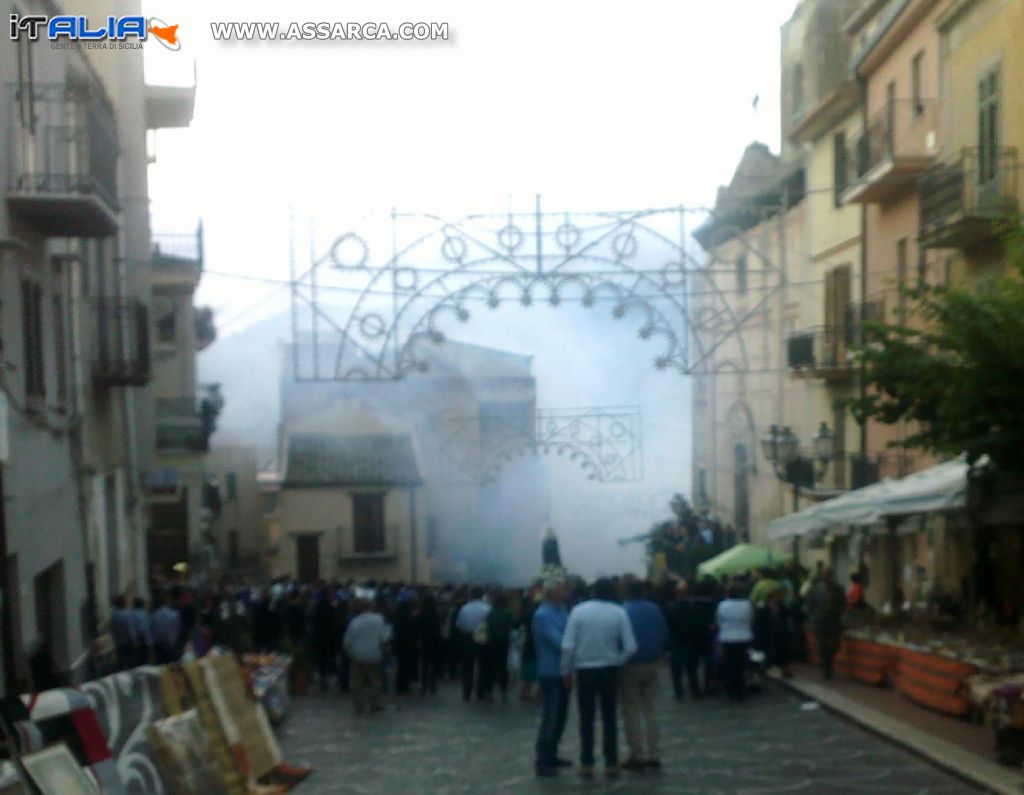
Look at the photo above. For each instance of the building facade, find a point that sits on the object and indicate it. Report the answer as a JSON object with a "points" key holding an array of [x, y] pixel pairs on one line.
{"points": [[77, 330], [472, 418], [348, 505], [909, 152], [235, 509]]}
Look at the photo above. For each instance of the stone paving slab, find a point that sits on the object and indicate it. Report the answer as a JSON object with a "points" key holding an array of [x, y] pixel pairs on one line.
{"points": [[440, 745]]}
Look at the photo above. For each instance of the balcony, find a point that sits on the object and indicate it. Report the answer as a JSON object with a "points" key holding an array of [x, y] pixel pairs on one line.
{"points": [[63, 158], [185, 424], [962, 202], [898, 144], [122, 353], [850, 471], [822, 352], [178, 250], [169, 107], [206, 328]]}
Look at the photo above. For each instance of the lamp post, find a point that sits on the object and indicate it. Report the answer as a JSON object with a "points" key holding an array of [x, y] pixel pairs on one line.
{"points": [[782, 448]]}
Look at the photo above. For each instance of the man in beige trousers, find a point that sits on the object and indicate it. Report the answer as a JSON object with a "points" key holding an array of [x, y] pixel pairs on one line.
{"points": [[639, 680], [365, 638]]}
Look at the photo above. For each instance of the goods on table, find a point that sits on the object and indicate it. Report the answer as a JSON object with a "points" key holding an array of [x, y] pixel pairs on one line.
{"points": [[269, 676]]}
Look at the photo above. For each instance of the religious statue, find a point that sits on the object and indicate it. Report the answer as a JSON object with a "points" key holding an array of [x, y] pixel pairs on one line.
{"points": [[549, 553]]}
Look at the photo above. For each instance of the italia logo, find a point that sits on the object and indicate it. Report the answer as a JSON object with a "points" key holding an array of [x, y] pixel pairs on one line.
{"points": [[80, 28]]}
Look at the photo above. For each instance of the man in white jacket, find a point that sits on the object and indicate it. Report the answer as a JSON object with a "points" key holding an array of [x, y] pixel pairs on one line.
{"points": [[598, 641]]}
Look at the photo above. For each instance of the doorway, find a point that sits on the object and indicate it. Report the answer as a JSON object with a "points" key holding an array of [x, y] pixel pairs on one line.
{"points": [[741, 493], [307, 557]]}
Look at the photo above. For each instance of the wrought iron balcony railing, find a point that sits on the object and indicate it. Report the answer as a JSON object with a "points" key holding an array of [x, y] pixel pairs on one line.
{"points": [[849, 471], [185, 424], [178, 249], [898, 143], [819, 349], [961, 201], [62, 151], [122, 347]]}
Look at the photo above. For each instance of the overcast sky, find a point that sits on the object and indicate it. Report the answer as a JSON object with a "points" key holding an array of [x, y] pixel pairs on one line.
{"points": [[594, 105]]}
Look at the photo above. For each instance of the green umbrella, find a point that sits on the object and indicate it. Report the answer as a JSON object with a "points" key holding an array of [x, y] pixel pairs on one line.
{"points": [[740, 558]]}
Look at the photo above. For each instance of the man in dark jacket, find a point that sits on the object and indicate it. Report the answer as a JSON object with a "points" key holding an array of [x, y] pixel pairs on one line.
{"points": [[825, 603], [691, 622]]}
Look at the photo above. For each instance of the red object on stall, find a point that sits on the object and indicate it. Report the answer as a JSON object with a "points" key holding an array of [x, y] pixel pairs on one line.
{"points": [[866, 661], [934, 682]]}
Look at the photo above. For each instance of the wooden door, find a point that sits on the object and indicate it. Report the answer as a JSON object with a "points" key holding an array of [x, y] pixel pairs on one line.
{"points": [[307, 557]]}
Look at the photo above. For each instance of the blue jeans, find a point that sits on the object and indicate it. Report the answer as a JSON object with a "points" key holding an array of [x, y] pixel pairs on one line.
{"points": [[554, 709], [593, 685]]}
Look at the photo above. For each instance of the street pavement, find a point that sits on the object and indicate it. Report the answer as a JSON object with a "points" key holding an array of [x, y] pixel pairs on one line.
{"points": [[437, 744]]}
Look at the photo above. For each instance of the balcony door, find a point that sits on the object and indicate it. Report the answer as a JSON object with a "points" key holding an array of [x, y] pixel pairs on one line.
{"points": [[837, 302], [988, 138]]}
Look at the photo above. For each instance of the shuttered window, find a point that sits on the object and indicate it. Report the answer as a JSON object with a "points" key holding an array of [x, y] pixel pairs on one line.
{"points": [[368, 523], [32, 337]]}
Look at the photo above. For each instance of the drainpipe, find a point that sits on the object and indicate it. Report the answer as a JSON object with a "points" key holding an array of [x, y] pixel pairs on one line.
{"points": [[413, 542], [863, 386]]}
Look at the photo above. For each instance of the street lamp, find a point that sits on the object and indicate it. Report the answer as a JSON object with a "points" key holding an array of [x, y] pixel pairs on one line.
{"points": [[782, 448]]}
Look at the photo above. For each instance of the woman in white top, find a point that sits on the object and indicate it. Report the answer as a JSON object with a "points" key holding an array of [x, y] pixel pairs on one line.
{"points": [[735, 618]]}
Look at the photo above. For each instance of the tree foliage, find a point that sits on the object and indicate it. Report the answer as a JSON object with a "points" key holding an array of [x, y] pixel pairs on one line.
{"points": [[954, 367]]}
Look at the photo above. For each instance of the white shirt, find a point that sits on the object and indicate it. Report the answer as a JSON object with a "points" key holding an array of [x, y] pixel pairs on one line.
{"points": [[472, 615], [365, 636], [598, 635], [734, 618]]}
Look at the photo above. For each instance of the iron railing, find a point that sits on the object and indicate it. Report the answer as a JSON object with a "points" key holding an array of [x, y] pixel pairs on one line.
{"points": [[903, 128], [830, 347], [122, 345], [822, 347], [68, 145], [849, 471], [979, 183], [171, 248], [186, 423]]}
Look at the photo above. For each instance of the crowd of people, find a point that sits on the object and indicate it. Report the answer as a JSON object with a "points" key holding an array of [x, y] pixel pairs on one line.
{"points": [[607, 640]]}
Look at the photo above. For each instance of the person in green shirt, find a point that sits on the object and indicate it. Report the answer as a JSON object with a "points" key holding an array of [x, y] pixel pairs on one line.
{"points": [[500, 622]]}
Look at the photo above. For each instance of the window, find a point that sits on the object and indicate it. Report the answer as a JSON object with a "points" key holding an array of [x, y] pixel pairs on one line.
{"points": [[741, 274], [232, 486], [32, 338], [59, 348], [166, 320], [915, 84], [60, 332], [922, 267], [840, 165], [988, 126], [26, 82], [890, 116], [368, 523], [901, 275], [798, 90]]}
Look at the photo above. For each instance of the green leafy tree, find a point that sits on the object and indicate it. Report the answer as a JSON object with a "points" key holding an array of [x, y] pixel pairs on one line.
{"points": [[954, 367]]}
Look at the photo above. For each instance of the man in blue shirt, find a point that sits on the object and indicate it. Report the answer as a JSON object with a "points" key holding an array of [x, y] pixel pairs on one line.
{"points": [[548, 627], [640, 679], [166, 626]]}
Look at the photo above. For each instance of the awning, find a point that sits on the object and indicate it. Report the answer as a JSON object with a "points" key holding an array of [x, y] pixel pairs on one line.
{"points": [[742, 557], [939, 488]]}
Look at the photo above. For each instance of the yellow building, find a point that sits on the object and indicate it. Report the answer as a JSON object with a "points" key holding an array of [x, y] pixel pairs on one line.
{"points": [[978, 179]]}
